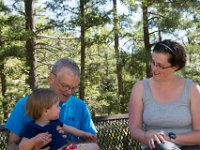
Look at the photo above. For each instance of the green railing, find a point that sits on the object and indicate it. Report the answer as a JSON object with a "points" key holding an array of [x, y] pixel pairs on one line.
{"points": [[3, 138], [113, 133]]}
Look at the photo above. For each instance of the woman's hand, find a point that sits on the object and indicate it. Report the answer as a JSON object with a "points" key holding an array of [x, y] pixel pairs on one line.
{"points": [[154, 137]]}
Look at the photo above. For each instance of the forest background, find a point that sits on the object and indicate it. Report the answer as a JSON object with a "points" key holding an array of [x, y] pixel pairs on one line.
{"points": [[111, 40]]}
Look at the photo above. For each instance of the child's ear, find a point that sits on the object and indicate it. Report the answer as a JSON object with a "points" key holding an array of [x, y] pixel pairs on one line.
{"points": [[45, 112]]}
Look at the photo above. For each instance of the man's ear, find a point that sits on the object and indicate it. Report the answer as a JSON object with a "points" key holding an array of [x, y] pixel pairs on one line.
{"points": [[51, 78]]}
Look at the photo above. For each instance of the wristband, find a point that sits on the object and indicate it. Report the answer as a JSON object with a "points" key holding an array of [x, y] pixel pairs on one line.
{"points": [[172, 136]]}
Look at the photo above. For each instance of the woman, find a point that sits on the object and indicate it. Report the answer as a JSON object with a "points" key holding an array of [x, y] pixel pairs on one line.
{"points": [[164, 109]]}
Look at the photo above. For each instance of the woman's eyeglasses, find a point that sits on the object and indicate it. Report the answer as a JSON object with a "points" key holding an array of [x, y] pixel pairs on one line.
{"points": [[159, 66]]}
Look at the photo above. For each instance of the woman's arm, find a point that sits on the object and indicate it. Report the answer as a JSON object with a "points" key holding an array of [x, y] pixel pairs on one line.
{"points": [[135, 109], [192, 138]]}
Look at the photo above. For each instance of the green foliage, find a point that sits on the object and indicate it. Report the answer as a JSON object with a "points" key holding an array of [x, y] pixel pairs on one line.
{"points": [[4, 8], [16, 87], [192, 69], [13, 36], [58, 35]]}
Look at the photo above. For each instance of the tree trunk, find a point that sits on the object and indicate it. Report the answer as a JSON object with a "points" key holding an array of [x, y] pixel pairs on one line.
{"points": [[146, 39], [82, 82], [30, 43], [3, 82], [118, 59], [3, 90]]}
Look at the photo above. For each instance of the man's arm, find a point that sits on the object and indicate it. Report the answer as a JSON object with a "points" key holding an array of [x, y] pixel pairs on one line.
{"points": [[15, 124], [36, 142], [13, 141]]}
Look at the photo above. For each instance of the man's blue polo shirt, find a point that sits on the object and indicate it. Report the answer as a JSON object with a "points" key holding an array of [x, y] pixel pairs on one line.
{"points": [[74, 112]]}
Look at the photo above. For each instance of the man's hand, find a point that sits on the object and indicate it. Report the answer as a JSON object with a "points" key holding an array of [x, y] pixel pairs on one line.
{"points": [[42, 139]]}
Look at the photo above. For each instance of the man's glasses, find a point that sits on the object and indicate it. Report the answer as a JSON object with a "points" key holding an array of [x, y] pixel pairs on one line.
{"points": [[64, 86], [159, 66]]}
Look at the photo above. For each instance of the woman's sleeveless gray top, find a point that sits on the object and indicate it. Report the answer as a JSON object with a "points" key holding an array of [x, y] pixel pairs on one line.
{"points": [[174, 116]]}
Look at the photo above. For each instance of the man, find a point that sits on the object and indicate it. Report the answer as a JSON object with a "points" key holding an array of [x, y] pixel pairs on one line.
{"points": [[63, 79]]}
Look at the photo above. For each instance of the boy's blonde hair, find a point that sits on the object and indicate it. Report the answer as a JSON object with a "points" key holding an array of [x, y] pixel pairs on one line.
{"points": [[40, 100]]}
